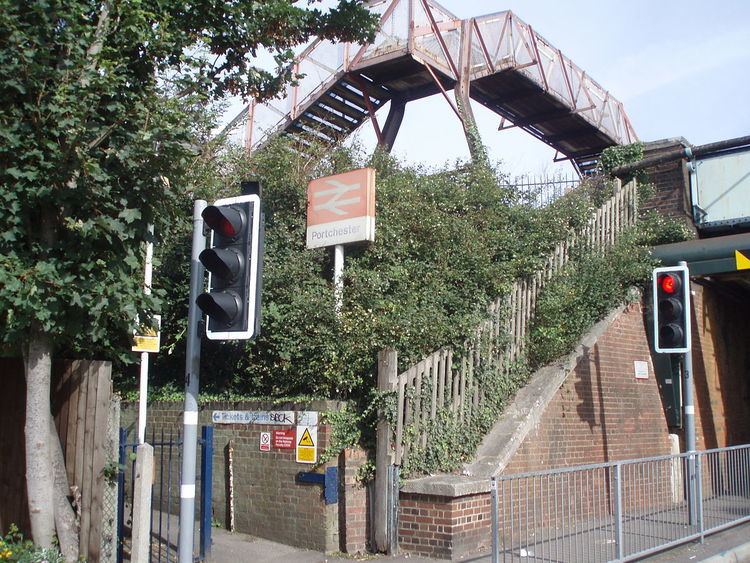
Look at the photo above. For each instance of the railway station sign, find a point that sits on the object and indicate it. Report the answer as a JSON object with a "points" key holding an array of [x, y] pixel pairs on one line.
{"points": [[341, 209]]}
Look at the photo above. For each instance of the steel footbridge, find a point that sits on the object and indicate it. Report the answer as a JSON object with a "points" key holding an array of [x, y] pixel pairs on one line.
{"points": [[421, 50]]}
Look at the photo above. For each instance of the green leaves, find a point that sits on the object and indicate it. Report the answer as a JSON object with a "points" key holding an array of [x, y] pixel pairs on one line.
{"points": [[101, 104], [594, 284]]}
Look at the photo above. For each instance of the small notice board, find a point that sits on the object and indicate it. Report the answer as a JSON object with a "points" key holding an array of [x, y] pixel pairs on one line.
{"points": [[307, 444]]}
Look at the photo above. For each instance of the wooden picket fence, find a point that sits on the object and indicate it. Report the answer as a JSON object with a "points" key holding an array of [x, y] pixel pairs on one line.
{"points": [[436, 383]]}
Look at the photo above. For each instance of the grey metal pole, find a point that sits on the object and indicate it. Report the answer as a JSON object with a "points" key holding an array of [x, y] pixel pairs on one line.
{"points": [[689, 409], [192, 373], [495, 523]]}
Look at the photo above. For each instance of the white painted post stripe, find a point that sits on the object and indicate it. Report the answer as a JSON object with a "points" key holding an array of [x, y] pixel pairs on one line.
{"points": [[191, 418], [689, 409], [187, 491]]}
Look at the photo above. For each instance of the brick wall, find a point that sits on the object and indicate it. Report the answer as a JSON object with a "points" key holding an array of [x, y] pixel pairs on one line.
{"points": [[671, 182], [268, 502], [353, 502], [721, 365], [602, 412], [443, 527]]}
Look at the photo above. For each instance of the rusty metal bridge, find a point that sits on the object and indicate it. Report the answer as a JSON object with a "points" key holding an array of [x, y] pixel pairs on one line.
{"points": [[422, 49]]}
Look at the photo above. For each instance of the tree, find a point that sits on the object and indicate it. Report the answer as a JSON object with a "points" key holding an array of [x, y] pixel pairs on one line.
{"points": [[102, 102]]}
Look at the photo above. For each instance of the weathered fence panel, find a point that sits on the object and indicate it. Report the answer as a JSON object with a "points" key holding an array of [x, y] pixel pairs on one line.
{"points": [[436, 383], [82, 408]]}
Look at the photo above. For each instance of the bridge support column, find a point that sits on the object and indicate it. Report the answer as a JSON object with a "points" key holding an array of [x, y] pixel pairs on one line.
{"points": [[476, 147], [393, 123]]}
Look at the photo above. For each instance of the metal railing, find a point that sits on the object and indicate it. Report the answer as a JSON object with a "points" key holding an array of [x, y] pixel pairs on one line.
{"points": [[619, 511], [165, 500], [542, 191]]}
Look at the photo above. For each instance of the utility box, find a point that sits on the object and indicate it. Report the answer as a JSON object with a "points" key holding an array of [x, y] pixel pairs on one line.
{"points": [[719, 186]]}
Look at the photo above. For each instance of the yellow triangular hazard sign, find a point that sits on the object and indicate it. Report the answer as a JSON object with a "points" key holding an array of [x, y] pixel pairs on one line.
{"points": [[742, 261], [306, 439]]}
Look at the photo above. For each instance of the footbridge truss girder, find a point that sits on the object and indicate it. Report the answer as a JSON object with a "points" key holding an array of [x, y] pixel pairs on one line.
{"points": [[422, 49]]}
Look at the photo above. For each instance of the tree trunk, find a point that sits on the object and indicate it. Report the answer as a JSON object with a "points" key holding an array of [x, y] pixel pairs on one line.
{"points": [[65, 517], [39, 479]]}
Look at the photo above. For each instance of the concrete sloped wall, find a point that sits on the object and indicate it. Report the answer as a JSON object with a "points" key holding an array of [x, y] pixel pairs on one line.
{"points": [[587, 408]]}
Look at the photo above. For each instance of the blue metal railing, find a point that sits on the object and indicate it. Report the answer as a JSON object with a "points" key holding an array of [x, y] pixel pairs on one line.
{"points": [[164, 494]]}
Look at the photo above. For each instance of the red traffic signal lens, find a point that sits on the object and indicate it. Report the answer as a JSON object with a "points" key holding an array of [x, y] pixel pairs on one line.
{"points": [[669, 283], [225, 220], [227, 229]]}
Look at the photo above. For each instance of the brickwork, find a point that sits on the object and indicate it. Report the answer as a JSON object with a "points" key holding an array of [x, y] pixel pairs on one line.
{"points": [[671, 182], [268, 502], [443, 527], [602, 412], [353, 502], [721, 365]]}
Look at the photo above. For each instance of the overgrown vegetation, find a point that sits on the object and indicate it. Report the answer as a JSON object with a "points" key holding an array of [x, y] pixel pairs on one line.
{"points": [[447, 243], [594, 284], [15, 549]]}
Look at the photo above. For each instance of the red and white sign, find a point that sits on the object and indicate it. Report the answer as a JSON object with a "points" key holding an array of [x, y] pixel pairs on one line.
{"points": [[284, 439], [265, 441], [341, 208]]}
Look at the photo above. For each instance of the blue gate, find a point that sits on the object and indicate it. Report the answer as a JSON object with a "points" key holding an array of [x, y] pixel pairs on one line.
{"points": [[165, 494]]}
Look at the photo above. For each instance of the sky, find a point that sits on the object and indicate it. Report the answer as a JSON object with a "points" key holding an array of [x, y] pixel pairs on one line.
{"points": [[681, 69]]}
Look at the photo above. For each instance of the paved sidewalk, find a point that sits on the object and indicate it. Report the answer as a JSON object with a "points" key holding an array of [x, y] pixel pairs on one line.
{"points": [[240, 548], [729, 546]]}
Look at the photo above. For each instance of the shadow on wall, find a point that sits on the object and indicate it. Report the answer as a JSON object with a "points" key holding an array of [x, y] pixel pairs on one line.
{"points": [[722, 366], [587, 408]]}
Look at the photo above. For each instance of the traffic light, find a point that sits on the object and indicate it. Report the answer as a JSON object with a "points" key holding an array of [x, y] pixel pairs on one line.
{"points": [[671, 309], [232, 259]]}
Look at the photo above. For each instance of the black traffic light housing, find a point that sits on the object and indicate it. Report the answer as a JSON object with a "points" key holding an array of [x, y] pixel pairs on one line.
{"points": [[671, 286], [233, 260]]}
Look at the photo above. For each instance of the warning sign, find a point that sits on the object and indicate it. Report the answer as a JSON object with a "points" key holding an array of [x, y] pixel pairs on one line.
{"points": [[284, 439], [307, 444], [306, 439], [265, 441], [147, 338], [742, 259]]}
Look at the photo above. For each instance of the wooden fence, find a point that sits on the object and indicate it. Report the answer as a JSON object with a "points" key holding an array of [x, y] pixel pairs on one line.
{"points": [[436, 383], [82, 408]]}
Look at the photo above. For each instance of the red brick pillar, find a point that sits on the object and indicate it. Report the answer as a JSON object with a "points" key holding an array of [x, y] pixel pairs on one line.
{"points": [[352, 502]]}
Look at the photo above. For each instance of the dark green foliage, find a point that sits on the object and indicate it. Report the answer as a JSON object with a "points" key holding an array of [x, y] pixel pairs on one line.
{"points": [[593, 284], [446, 244], [619, 155], [104, 105]]}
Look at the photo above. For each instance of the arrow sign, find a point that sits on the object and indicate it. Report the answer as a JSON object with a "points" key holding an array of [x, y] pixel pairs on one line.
{"points": [[341, 208], [742, 259], [335, 203]]}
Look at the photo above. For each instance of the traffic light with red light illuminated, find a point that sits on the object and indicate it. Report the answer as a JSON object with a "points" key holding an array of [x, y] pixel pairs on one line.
{"points": [[232, 258], [671, 309]]}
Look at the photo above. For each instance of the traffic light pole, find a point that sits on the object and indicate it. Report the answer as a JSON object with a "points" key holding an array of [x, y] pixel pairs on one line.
{"points": [[192, 373], [689, 414]]}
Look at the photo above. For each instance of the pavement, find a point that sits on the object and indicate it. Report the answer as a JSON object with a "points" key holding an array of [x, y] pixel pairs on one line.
{"points": [[728, 546]]}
